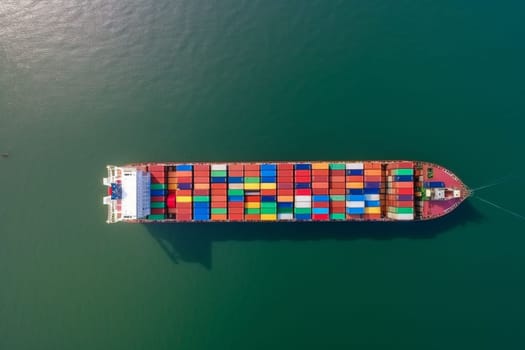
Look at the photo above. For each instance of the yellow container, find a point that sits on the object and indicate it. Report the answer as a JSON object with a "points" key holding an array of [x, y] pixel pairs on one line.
{"points": [[284, 198], [252, 205], [184, 199], [251, 186], [373, 210], [172, 187], [202, 186], [320, 166], [268, 186], [373, 172], [354, 185], [268, 217]]}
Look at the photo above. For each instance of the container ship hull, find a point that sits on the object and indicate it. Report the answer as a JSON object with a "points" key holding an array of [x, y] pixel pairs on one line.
{"points": [[281, 191]]}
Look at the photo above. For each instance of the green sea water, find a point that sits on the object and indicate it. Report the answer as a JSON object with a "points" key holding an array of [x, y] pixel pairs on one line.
{"points": [[89, 83]]}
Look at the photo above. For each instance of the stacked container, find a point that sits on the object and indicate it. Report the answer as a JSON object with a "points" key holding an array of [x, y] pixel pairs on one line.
{"points": [[252, 192], [158, 192], [373, 182], [355, 192], [235, 192], [268, 192], [285, 186], [172, 190], [320, 194], [219, 192], [303, 191], [400, 191], [183, 193], [201, 192]]}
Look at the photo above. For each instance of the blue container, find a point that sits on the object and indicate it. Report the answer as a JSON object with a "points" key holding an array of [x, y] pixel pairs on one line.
{"points": [[184, 186], [284, 205], [268, 179], [218, 180], [302, 185], [201, 217], [372, 190], [355, 210], [201, 210], [268, 172], [405, 197], [184, 167], [320, 198], [303, 166], [269, 167], [372, 184], [434, 184], [320, 210], [403, 178], [158, 192], [201, 204], [235, 180], [303, 216], [268, 198], [355, 197], [355, 191], [235, 198], [372, 203], [355, 172]]}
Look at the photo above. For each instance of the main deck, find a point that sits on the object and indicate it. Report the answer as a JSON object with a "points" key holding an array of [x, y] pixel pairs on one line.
{"points": [[281, 191]]}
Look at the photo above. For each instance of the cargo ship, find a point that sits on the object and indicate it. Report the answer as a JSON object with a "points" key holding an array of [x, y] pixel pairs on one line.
{"points": [[281, 191]]}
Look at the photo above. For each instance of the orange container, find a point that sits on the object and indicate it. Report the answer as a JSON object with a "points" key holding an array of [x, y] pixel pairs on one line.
{"points": [[372, 165], [339, 191], [252, 217], [219, 217], [202, 186], [373, 172], [354, 178], [372, 178], [337, 178], [268, 192], [172, 180], [185, 179], [184, 193], [403, 184], [320, 185], [338, 185]]}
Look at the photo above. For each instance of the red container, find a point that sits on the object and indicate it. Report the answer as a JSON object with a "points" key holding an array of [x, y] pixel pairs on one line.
{"points": [[285, 173], [372, 178], [372, 165], [404, 204], [183, 210], [304, 179], [320, 178], [284, 192], [235, 167], [337, 178], [337, 204], [405, 190], [185, 180], [338, 185], [339, 191], [302, 173], [320, 204], [201, 192], [236, 173], [403, 184], [320, 191], [158, 198], [252, 199], [285, 186], [251, 167], [156, 168], [205, 174], [354, 178], [158, 211], [172, 210], [303, 192], [236, 217], [218, 198], [235, 205], [183, 217], [201, 167], [201, 180], [284, 166], [184, 205], [184, 192], [252, 217], [268, 192], [320, 172], [171, 200], [285, 179], [320, 185], [252, 173], [338, 172], [320, 216], [372, 216], [219, 186], [235, 210], [353, 216]]}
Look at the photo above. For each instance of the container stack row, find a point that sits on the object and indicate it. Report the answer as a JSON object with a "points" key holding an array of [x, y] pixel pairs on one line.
{"points": [[235, 192], [400, 191], [219, 192], [336, 188], [158, 192], [320, 194], [252, 192], [303, 191], [172, 190], [355, 192], [268, 192], [372, 191], [201, 192], [183, 177], [285, 191]]}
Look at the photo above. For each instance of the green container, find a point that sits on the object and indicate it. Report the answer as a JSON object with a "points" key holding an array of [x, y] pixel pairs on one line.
{"points": [[337, 216], [156, 205], [403, 172], [337, 166], [337, 197], [158, 186], [251, 180], [157, 217], [201, 198], [303, 210], [285, 210], [405, 210], [268, 211], [218, 173], [236, 192], [252, 211], [219, 211], [268, 205]]}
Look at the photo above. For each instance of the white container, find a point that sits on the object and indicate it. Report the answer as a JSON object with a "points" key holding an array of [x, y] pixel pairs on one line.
{"points": [[401, 217], [303, 204], [236, 186], [355, 166], [218, 167], [355, 204], [285, 216], [303, 198], [372, 197]]}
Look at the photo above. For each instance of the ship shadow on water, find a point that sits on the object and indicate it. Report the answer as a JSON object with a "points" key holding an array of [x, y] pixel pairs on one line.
{"points": [[192, 243]]}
